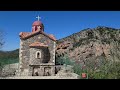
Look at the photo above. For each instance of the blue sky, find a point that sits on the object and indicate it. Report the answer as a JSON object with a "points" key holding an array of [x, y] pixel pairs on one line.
{"points": [[59, 23]]}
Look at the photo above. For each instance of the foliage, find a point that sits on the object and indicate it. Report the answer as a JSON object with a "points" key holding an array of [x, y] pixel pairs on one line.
{"points": [[59, 61], [63, 60], [9, 61], [102, 31], [67, 61], [77, 68], [82, 41], [90, 34], [1, 66], [9, 57], [107, 70], [105, 41]]}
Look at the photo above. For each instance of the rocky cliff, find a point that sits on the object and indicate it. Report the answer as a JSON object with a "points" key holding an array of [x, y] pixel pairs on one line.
{"points": [[91, 47]]}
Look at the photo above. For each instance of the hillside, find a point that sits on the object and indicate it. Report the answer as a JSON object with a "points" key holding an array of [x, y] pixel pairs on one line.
{"points": [[91, 43], [91, 47], [8, 57]]}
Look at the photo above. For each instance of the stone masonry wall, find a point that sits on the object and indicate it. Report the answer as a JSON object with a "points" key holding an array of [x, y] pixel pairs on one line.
{"points": [[24, 53], [45, 56]]}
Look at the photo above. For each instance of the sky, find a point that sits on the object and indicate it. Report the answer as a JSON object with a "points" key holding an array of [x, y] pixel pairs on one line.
{"points": [[58, 23]]}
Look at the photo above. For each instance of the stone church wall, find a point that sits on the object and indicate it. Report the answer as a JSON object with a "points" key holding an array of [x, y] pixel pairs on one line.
{"points": [[25, 51], [45, 55]]}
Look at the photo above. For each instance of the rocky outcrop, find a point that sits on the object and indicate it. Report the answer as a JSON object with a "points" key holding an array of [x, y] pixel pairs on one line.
{"points": [[91, 47]]}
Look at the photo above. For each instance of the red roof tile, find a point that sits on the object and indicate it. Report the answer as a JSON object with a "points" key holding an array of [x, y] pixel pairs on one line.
{"points": [[37, 23], [38, 44], [52, 36], [24, 35]]}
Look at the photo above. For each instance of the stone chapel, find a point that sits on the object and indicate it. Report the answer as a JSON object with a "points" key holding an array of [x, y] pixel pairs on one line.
{"points": [[37, 52]]}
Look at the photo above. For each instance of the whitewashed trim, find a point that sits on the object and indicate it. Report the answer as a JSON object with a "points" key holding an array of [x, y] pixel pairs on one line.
{"points": [[39, 54]]}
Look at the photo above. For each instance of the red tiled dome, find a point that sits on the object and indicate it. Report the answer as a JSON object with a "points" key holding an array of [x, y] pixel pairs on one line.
{"points": [[37, 23]]}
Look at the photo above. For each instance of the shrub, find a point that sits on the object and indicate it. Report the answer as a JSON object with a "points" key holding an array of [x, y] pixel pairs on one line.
{"points": [[77, 69], [67, 61], [106, 70], [59, 61], [110, 70]]}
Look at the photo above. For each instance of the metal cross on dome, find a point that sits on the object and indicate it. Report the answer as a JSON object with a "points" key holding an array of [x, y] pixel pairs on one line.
{"points": [[38, 17]]}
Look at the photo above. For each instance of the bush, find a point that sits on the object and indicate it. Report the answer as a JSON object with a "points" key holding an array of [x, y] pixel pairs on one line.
{"points": [[67, 61], [1, 65], [110, 70], [59, 61], [77, 69], [5, 61], [107, 69]]}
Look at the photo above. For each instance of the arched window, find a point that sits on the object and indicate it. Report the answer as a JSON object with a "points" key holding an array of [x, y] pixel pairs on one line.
{"points": [[38, 54]]}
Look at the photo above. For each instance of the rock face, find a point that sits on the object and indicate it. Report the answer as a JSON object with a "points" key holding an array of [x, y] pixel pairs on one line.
{"points": [[91, 46]]}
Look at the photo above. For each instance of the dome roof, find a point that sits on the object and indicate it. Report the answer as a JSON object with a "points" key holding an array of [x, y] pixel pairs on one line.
{"points": [[37, 23]]}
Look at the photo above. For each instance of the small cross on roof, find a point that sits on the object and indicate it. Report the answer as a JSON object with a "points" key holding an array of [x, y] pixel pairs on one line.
{"points": [[38, 17]]}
